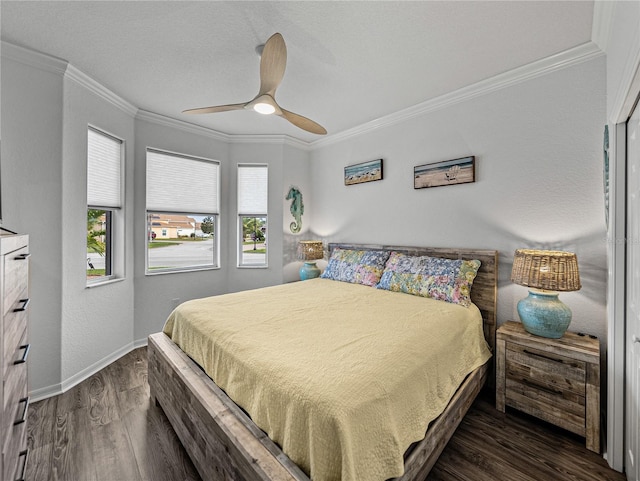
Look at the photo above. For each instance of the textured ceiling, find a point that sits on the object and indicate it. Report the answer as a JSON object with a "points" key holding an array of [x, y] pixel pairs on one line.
{"points": [[348, 62]]}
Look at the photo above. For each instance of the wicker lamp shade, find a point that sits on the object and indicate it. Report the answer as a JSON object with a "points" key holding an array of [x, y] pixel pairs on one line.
{"points": [[545, 273], [548, 270], [310, 250]]}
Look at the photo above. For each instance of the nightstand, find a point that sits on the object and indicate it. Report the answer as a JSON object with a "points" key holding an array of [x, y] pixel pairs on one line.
{"points": [[557, 380]]}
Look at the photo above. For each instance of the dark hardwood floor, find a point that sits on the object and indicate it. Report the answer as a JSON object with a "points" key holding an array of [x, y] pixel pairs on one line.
{"points": [[106, 429]]}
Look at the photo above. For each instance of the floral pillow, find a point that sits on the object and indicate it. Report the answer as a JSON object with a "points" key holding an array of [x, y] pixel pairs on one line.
{"points": [[447, 280], [358, 267]]}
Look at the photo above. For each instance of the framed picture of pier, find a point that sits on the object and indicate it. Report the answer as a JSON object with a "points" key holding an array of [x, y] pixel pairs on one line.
{"points": [[363, 172], [447, 172]]}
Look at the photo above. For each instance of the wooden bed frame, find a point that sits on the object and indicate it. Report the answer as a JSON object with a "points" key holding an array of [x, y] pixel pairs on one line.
{"points": [[224, 444]]}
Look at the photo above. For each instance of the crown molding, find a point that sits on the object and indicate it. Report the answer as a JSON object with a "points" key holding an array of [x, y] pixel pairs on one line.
{"points": [[603, 12], [269, 139], [553, 63], [55, 65], [165, 121], [220, 136], [100, 90], [33, 58]]}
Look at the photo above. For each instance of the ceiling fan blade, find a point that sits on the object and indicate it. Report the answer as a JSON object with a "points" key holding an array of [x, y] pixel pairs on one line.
{"points": [[272, 64], [303, 122], [217, 108]]}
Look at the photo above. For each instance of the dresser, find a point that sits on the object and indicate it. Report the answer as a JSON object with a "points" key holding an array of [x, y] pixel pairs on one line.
{"points": [[14, 344], [557, 380]]}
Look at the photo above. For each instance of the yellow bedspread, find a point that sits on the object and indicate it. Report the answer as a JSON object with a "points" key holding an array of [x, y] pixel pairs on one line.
{"points": [[343, 377]]}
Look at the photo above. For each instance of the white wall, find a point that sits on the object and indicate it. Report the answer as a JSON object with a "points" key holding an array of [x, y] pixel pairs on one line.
{"points": [[155, 294], [296, 173], [47, 106], [96, 322], [538, 182], [32, 103]]}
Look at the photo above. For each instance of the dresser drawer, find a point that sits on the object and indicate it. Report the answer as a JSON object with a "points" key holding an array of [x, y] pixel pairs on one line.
{"points": [[15, 398], [15, 339], [15, 458], [16, 278]]}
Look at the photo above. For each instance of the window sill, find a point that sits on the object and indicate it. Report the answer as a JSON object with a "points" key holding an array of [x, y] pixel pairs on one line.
{"points": [[180, 271], [103, 283]]}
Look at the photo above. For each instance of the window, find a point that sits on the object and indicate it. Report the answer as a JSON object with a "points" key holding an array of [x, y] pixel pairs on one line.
{"points": [[104, 202], [252, 215], [182, 212]]}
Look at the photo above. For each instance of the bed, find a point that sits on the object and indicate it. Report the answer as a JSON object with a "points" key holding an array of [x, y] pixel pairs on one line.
{"points": [[224, 442]]}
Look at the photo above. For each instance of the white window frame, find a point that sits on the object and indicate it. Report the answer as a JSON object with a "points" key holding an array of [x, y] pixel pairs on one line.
{"points": [[252, 209], [166, 209], [113, 207]]}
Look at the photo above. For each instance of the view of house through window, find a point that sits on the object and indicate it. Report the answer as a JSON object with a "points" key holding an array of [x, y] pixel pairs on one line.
{"points": [[182, 212], [178, 241]]}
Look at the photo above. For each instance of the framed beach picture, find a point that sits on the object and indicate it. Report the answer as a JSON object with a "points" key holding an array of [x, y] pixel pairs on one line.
{"points": [[447, 172], [364, 172]]}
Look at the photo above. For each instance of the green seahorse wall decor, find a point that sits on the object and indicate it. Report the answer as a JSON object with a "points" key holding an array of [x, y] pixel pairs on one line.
{"points": [[297, 208]]}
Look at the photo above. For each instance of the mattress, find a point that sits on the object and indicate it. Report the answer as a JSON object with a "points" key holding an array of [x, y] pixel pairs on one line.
{"points": [[344, 377]]}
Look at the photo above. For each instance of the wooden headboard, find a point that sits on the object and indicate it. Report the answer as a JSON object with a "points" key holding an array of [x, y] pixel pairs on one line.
{"points": [[484, 292]]}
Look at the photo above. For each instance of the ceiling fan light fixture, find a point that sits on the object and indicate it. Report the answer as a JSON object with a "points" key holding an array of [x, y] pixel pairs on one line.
{"points": [[264, 108], [273, 60]]}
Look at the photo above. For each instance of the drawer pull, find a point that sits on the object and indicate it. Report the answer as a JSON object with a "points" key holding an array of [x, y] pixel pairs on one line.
{"points": [[542, 388], [23, 359], [23, 418], [542, 356], [22, 257], [24, 455], [25, 303]]}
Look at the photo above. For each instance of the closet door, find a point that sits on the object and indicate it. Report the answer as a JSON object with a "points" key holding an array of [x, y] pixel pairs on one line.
{"points": [[632, 381]]}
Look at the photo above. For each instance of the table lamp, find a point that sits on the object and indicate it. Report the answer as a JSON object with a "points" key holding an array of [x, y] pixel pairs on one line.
{"points": [[310, 252], [545, 273]]}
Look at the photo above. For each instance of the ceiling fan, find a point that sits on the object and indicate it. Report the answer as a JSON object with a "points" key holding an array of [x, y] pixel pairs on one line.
{"points": [[272, 64]]}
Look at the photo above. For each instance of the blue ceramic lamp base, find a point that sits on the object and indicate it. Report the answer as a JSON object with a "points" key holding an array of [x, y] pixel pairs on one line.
{"points": [[543, 314], [309, 270]]}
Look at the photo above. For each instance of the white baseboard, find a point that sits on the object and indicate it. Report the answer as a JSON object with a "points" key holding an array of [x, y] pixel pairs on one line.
{"points": [[45, 392], [56, 389]]}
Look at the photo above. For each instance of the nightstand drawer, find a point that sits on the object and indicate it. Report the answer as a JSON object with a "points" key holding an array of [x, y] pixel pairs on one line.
{"points": [[564, 409], [557, 380], [549, 371]]}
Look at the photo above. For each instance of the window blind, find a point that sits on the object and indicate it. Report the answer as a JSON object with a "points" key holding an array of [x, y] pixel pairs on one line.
{"points": [[104, 164], [178, 183], [252, 189]]}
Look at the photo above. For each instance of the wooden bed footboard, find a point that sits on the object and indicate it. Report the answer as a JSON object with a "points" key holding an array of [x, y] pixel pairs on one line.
{"points": [[225, 445], [221, 440]]}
